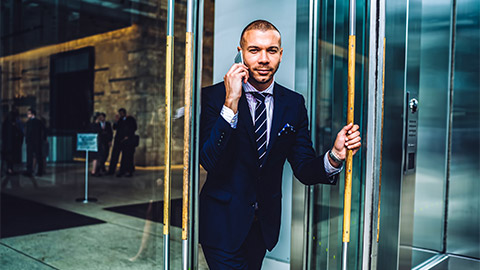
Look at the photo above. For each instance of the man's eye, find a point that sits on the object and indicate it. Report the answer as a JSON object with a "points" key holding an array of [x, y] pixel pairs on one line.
{"points": [[253, 50]]}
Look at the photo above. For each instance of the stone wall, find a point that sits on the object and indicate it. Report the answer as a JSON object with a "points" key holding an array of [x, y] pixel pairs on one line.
{"points": [[129, 73]]}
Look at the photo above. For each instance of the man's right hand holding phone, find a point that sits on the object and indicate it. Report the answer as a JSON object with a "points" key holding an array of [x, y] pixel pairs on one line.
{"points": [[233, 85]]}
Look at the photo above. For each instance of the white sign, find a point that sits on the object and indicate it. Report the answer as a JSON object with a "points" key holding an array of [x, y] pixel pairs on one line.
{"points": [[87, 142]]}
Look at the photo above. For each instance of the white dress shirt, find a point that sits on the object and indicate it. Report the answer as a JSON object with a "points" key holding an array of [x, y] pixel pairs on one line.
{"points": [[232, 118]]}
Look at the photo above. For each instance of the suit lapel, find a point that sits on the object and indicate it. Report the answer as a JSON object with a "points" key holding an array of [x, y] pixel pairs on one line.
{"points": [[245, 118], [280, 106]]}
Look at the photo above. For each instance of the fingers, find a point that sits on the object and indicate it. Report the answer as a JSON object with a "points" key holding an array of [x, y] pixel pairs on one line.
{"points": [[353, 139], [354, 146], [245, 77], [346, 128], [353, 136], [236, 74], [237, 69], [353, 128]]}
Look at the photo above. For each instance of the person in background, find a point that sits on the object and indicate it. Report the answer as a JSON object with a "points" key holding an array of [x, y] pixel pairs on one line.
{"points": [[12, 140], [35, 135], [105, 140], [105, 135], [95, 128], [125, 142]]}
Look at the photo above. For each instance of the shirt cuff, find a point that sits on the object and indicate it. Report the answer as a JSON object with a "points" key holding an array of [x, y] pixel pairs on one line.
{"points": [[329, 168], [229, 116]]}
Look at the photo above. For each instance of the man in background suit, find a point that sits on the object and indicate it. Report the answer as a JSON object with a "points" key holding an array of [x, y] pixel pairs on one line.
{"points": [[35, 136], [124, 142], [105, 136], [250, 126]]}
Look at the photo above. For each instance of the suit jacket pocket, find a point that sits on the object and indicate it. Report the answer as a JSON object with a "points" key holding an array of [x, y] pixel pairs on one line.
{"points": [[219, 195]]}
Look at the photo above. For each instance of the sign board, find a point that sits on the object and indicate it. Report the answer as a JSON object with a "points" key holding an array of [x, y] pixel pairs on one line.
{"points": [[87, 142]]}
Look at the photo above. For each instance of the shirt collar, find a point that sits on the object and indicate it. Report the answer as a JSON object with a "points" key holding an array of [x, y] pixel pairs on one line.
{"points": [[249, 88]]}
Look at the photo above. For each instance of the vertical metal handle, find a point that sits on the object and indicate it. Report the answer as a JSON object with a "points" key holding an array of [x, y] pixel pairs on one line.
{"points": [[347, 201], [186, 135], [168, 134]]}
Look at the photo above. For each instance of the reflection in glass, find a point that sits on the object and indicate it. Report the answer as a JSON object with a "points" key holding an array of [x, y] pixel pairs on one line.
{"points": [[71, 61]]}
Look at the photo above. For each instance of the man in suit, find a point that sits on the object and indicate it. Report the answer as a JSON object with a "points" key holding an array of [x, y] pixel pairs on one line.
{"points": [[250, 126], [35, 136], [105, 135], [12, 140], [124, 142]]}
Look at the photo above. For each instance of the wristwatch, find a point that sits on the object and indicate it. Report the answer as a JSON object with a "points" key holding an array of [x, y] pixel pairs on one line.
{"points": [[334, 157]]}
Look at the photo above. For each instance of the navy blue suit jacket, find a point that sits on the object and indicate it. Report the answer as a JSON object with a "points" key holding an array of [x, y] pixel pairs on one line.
{"points": [[234, 179]]}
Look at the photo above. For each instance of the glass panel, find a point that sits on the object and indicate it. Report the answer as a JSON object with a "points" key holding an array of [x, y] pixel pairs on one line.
{"points": [[70, 60], [331, 103]]}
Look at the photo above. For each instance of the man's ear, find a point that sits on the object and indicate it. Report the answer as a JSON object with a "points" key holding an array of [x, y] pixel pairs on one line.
{"points": [[281, 54], [239, 49]]}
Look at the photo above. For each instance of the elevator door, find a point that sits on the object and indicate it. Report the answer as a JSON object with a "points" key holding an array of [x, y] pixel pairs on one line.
{"points": [[447, 205]]}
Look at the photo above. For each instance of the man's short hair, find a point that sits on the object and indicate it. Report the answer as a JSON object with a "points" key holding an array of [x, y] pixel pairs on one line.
{"points": [[122, 110], [261, 25], [32, 111]]}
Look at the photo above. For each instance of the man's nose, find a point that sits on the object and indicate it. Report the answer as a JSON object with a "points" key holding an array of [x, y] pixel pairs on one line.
{"points": [[263, 58]]}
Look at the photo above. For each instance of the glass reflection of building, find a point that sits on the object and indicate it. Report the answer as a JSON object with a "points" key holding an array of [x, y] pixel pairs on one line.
{"points": [[69, 60]]}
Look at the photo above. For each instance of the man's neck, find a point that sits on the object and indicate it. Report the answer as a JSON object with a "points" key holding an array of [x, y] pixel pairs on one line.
{"points": [[262, 87]]}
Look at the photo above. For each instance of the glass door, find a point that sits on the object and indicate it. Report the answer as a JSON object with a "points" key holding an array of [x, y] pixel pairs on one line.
{"points": [[70, 68], [329, 107]]}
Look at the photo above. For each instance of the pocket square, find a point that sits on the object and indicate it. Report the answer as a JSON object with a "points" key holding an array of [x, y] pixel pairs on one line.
{"points": [[286, 130]]}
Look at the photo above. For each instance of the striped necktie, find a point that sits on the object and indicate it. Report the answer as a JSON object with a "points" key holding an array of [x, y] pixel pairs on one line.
{"points": [[261, 125]]}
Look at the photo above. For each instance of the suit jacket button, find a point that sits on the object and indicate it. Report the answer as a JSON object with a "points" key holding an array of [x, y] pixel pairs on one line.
{"points": [[218, 144]]}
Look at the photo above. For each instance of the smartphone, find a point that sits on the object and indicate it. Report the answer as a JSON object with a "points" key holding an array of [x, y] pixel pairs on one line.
{"points": [[238, 58]]}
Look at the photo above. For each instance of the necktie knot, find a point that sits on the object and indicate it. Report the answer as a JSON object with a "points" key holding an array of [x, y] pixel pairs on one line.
{"points": [[260, 96]]}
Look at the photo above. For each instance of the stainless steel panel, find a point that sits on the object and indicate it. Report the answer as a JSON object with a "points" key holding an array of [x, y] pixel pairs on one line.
{"points": [[420, 256], [412, 72], [395, 32], [463, 227], [432, 130]]}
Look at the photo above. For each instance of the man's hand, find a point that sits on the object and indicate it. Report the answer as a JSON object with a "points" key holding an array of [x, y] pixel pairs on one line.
{"points": [[233, 85], [347, 139]]}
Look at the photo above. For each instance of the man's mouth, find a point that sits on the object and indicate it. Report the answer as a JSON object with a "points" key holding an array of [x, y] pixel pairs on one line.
{"points": [[263, 71]]}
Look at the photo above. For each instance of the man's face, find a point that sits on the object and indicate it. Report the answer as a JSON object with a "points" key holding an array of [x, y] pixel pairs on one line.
{"points": [[261, 54], [29, 114], [101, 118], [122, 114]]}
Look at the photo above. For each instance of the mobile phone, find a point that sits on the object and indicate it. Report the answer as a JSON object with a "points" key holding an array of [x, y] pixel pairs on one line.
{"points": [[238, 58]]}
